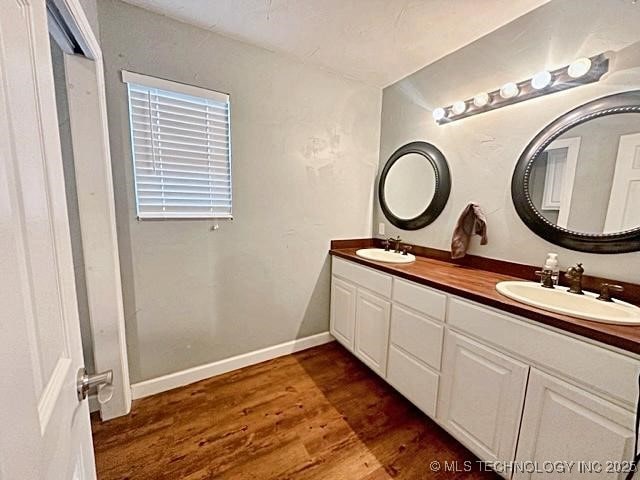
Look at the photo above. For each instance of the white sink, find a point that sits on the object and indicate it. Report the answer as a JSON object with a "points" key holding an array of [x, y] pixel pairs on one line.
{"points": [[381, 255], [559, 300]]}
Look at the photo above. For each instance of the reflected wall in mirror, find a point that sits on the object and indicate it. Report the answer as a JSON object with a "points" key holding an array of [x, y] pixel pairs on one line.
{"points": [[410, 186], [588, 180], [414, 185], [578, 182]]}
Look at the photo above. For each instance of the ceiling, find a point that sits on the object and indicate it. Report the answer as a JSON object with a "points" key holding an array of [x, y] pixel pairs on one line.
{"points": [[375, 41]]}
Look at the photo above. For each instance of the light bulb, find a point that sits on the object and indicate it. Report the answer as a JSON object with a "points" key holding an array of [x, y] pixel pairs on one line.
{"points": [[509, 90], [459, 107], [481, 99], [439, 114], [541, 80], [579, 67]]}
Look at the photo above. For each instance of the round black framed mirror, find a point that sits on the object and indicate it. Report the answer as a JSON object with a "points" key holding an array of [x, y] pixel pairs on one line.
{"points": [[575, 185], [414, 186]]}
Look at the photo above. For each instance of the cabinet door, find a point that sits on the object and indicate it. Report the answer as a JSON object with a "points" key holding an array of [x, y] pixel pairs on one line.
{"points": [[481, 397], [343, 311], [372, 330], [562, 422]]}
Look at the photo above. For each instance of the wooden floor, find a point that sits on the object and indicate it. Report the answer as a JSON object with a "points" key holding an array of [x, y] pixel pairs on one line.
{"points": [[318, 414]]}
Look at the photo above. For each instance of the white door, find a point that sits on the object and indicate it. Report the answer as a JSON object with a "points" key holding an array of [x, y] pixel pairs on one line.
{"points": [[94, 188], [564, 423], [343, 311], [624, 203], [562, 161], [372, 330], [45, 433], [481, 397]]}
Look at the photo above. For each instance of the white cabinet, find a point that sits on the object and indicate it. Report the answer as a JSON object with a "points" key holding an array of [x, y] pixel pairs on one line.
{"points": [[481, 397], [564, 423], [372, 330], [411, 378], [361, 311], [417, 335], [343, 312], [485, 375], [607, 373], [415, 350], [373, 281], [424, 300]]}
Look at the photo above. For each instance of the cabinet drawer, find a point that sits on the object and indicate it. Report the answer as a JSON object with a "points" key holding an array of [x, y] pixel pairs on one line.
{"points": [[365, 277], [420, 298], [613, 375], [417, 335], [414, 381]]}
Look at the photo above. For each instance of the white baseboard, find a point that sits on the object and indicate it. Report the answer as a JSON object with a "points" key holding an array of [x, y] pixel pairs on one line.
{"points": [[195, 374]]}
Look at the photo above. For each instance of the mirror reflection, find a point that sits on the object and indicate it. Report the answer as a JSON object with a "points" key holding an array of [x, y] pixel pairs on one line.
{"points": [[588, 179], [410, 186]]}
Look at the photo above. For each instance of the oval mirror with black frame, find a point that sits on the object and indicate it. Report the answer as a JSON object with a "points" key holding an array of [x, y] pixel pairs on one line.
{"points": [[577, 184], [414, 185]]}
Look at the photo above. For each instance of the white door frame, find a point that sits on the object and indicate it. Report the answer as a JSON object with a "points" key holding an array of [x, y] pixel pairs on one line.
{"points": [[622, 176], [94, 182], [572, 145]]}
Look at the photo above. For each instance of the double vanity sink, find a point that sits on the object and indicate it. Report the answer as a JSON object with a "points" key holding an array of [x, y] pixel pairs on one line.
{"points": [[386, 256], [511, 382], [557, 300], [560, 300]]}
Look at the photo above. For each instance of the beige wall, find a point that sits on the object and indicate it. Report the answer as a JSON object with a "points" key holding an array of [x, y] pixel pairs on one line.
{"points": [[599, 140], [482, 150], [305, 154], [90, 8]]}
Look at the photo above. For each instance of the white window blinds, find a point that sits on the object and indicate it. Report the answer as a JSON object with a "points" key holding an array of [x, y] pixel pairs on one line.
{"points": [[180, 137]]}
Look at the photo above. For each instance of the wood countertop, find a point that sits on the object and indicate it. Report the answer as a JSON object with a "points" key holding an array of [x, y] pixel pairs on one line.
{"points": [[479, 285]]}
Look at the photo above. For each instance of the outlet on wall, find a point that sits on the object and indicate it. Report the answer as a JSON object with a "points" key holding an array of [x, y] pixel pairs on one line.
{"points": [[381, 228]]}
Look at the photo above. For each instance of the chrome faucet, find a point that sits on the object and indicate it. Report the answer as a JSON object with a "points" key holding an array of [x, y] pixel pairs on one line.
{"points": [[574, 275]]}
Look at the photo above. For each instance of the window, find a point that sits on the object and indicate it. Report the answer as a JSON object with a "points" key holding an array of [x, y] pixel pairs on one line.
{"points": [[180, 137]]}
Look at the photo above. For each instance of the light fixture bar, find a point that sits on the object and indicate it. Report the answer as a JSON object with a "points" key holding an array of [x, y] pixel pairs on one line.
{"points": [[590, 70]]}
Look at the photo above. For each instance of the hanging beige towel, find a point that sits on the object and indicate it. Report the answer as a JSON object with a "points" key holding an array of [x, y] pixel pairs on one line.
{"points": [[472, 220]]}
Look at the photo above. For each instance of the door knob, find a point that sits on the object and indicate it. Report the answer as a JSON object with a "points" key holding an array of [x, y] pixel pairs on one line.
{"points": [[86, 382]]}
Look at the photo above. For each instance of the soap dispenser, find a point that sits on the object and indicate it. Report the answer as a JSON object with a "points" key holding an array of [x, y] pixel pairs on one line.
{"points": [[552, 264]]}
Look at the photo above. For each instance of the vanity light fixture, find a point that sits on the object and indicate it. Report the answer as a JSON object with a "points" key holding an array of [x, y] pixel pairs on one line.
{"points": [[509, 90], [459, 107], [580, 72], [439, 114], [481, 99], [541, 80], [579, 67]]}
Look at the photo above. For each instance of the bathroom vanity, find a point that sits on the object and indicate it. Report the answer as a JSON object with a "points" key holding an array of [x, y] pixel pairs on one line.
{"points": [[512, 383]]}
